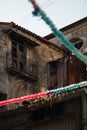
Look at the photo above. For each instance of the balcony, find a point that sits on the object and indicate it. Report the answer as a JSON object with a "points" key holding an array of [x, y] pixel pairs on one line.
{"points": [[22, 68]]}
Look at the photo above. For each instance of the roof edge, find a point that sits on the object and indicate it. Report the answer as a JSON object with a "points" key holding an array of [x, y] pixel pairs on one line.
{"points": [[13, 25], [74, 24]]}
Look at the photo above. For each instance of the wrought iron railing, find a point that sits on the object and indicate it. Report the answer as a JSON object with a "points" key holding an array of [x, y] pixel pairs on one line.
{"points": [[23, 65]]}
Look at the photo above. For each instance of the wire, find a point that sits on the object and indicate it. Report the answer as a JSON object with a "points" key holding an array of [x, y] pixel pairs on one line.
{"points": [[46, 7], [29, 17]]}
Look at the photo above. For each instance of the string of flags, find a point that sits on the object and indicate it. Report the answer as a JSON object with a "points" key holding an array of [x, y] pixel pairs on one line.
{"points": [[43, 94], [39, 12]]}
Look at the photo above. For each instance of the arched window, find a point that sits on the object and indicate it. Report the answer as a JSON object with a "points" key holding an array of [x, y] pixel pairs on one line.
{"points": [[77, 42]]}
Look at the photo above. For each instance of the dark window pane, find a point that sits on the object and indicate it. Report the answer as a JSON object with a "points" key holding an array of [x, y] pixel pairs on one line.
{"points": [[53, 68]]}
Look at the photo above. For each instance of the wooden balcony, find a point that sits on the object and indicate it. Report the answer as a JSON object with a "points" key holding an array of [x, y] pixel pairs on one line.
{"points": [[28, 69]]}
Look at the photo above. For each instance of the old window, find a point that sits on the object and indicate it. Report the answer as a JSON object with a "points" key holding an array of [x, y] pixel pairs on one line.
{"points": [[58, 73], [19, 61], [18, 55], [77, 42]]}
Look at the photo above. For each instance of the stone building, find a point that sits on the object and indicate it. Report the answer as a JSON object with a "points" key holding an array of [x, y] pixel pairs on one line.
{"points": [[24, 59], [31, 64]]}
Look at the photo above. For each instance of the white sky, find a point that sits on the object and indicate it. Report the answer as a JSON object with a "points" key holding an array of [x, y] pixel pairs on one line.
{"points": [[61, 12]]}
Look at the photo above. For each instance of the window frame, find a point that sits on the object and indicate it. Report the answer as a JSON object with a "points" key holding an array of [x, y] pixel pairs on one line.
{"points": [[18, 57]]}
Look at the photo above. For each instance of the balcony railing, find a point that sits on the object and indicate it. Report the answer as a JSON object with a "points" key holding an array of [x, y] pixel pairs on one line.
{"points": [[23, 67]]}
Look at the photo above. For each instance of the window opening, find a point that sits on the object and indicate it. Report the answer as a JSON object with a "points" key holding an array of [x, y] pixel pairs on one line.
{"points": [[77, 42], [18, 55]]}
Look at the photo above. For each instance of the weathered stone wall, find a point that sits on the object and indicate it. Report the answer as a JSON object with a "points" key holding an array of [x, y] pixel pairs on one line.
{"points": [[3, 74], [10, 85], [79, 31], [45, 54], [14, 86]]}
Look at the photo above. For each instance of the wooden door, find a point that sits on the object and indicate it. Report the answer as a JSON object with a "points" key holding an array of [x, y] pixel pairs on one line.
{"points": [[62, 72], [77, 70]]}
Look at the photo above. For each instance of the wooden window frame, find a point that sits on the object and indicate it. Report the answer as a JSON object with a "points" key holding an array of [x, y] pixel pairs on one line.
{"points": [[18, 56]]}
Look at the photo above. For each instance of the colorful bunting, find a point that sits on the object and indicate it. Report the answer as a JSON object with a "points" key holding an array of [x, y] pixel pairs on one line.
{"points": [[43, 94]]}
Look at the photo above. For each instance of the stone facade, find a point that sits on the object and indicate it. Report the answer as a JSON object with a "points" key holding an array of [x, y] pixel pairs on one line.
{"points": [[75, 31], [41, 52], [13, 85]]}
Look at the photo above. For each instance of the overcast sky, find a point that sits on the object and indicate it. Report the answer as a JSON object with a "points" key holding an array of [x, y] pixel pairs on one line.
{"points": [[61, 12]]}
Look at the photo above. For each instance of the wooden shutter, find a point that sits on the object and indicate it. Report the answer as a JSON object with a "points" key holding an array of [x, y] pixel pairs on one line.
{"points": [[77, 70], [62, 73]]}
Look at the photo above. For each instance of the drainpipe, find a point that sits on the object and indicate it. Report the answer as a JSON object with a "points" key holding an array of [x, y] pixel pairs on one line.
{"points": [[84, 112]]}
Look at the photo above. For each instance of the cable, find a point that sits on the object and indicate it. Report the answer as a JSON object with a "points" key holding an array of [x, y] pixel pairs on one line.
{"points": [[27, 18], [30, 13], [46, 7]]}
